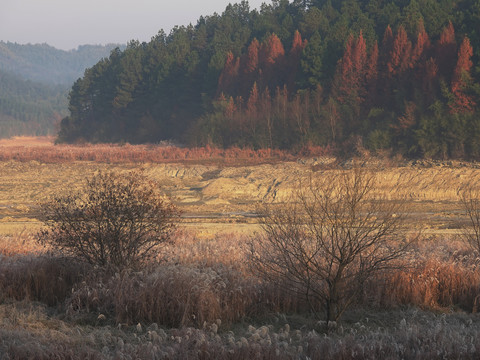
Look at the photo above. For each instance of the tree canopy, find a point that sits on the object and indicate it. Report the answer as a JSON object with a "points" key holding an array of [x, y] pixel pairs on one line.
{"points": [[398, 75]]}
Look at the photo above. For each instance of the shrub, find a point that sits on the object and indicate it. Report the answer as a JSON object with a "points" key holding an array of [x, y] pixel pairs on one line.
{"points": [[117, 219]]}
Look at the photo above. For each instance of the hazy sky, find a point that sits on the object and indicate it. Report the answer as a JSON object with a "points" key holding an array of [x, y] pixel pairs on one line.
{"points": [[66, 24]]}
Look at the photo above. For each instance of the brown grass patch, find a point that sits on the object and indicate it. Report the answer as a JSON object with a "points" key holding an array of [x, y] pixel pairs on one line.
{"points": [[22, 243], [205, 279], [27, 141], [43, 150]]}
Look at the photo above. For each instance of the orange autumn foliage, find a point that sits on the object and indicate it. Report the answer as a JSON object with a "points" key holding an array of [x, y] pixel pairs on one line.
{"points": [[463, 102]]}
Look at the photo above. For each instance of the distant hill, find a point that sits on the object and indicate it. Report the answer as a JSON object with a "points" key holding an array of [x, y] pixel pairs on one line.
{"points": [[30, 108], [34, 84], [44, 63]]}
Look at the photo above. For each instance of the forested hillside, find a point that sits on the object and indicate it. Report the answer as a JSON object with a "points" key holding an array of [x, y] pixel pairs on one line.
{"points": [[46, 64], [399, 75], [30, 108], [34, 83]]}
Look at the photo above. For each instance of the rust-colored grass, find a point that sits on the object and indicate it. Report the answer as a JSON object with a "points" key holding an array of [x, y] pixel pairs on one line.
{"points": [[442, 273], [27, 141], [42, 149]]}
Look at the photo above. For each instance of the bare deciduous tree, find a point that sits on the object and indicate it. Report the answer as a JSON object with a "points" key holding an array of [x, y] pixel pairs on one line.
{"points": [[470, 199], [333, 237], [116, 219]]}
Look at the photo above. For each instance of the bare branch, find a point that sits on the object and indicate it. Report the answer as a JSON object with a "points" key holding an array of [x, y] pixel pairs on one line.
{"points": [[330, 239]]}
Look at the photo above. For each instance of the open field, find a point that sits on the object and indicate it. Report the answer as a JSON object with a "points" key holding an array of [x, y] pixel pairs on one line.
{"points": [[225, 197], [202, 301]]}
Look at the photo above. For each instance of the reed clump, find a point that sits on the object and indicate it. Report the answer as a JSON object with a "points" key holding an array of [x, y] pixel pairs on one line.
{"points": [[42, 278]]}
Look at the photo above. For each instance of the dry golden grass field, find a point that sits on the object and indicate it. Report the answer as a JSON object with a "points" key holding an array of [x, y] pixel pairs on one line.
{"points": [[203, 303], [221, 197]]}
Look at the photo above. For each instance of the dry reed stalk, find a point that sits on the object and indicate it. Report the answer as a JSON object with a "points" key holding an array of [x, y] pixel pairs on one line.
{"points": [[440, 274], [227, 249], [39, 278]]}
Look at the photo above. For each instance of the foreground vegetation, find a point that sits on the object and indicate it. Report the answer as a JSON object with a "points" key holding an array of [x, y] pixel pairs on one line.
{"points": [[201, 302]]}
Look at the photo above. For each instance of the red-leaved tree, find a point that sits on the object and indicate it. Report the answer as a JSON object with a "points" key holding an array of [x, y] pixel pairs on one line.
{"points": [[251, 61], [401, 56], [462, 102], [272, 50], [422, 45], [446, 51], [229, 75], [350, 74]]}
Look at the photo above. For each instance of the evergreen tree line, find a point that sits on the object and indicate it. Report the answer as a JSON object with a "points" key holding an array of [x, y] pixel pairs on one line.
{"points": [[397, 74]]}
